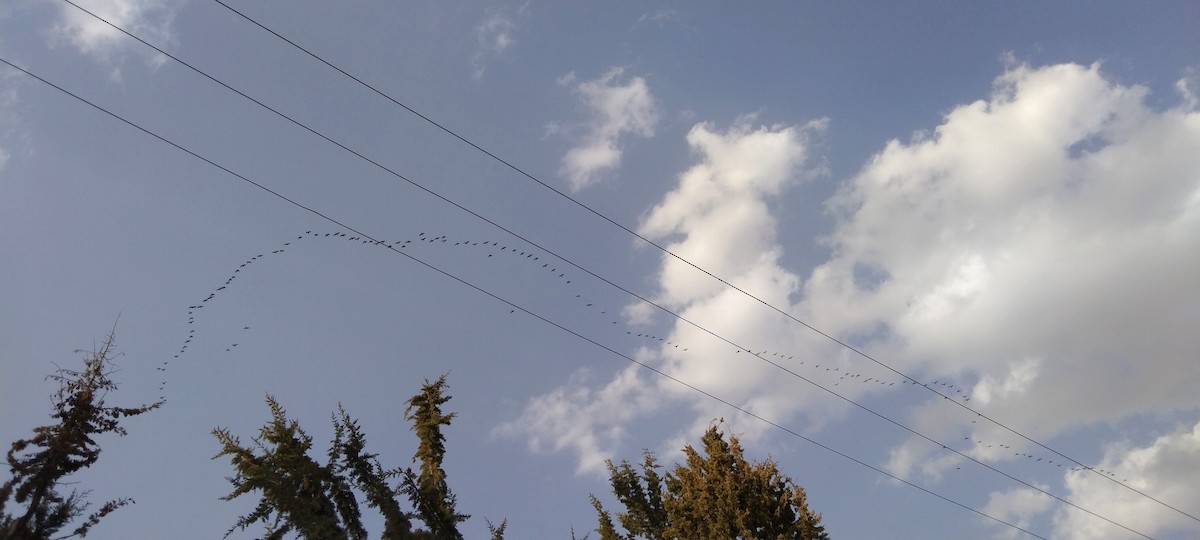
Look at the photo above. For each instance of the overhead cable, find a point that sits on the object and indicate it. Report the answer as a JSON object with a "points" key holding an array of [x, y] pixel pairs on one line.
{"points": [[605, 280], [507, 302], [675, 256]]}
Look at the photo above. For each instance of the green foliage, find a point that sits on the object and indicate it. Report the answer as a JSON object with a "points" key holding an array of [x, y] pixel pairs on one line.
{"points": [[715, 495], [321, 501], [497, 531], [41, 464], [366, 473], [298, 494], [428, 491]]}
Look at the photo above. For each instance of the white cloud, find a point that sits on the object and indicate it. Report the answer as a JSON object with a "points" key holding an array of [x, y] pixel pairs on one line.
{"points": [[1039, 244], [1035, 254], [638, 313], [1189, 88], [616, 109], [584, 420], [718, 208], [1019, 507], [494, 36], [8, 120], [1169, 468], [152, 20], [719, 219], [659, 18]]}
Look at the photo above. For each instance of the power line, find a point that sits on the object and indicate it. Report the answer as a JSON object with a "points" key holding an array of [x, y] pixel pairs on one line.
{"points": [[605, 280], [670, 253], [509, 303]]}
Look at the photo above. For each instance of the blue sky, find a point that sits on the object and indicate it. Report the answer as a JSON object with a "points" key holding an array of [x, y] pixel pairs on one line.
{"points": [[1000, 201]]}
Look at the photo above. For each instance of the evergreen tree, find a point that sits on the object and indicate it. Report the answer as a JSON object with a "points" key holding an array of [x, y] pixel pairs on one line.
{"points": [[428, 490], [40, 465], [321, 501], [298, 494], [715, 495], [367, 474]]}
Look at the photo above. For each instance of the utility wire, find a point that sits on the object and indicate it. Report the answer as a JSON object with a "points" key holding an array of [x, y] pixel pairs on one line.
{"points": [[672, 254], [666, 310], [507, 302]]}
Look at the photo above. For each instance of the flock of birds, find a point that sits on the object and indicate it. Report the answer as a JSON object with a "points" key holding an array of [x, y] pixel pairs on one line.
{"points": [[832, 374]]}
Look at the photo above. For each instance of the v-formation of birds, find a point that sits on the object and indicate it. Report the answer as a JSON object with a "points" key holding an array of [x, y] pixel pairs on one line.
{"points": [[546, 265]]}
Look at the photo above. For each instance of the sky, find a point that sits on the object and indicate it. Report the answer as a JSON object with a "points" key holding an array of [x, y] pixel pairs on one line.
{"points": [[940, 261]]}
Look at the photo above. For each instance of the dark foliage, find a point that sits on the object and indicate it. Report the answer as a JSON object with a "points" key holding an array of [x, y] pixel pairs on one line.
{"points": [[311, 500], [715, 495], [41, 465]]}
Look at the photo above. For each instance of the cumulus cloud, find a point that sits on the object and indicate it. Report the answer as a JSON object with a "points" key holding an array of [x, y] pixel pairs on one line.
{"points": [[1040, 246], [1019, 507], [584, 420], [494, 36], [1034, 256], [1189, 87], [659, 18], [152, 20], [8, 121], [616, 108], [1167, 467], [3, 158], [718, 209]]}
